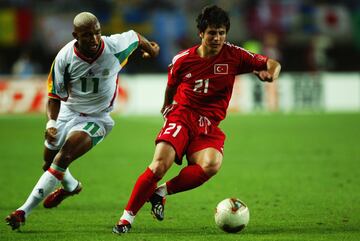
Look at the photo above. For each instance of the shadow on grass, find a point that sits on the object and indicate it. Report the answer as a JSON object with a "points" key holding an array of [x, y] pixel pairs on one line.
{"points": [[209, 233], [107, 229]]}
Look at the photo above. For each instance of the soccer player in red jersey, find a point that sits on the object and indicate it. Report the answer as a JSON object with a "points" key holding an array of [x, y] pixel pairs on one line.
{"points": [[200, 84]]}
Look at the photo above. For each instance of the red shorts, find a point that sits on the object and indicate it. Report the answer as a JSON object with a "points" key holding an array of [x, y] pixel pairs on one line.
{"points": [[189, 132]]}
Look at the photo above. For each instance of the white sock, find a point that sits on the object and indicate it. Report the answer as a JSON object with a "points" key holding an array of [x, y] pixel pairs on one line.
{"points": [[161, 190], [69, 182], [128, 217], [42, 189]]}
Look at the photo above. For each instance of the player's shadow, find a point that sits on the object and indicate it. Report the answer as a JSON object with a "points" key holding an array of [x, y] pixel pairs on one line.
{"points": [[258, 231], [178, 231]]}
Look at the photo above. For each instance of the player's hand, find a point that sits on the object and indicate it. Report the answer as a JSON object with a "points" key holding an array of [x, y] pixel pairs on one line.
{"points": [[155, 51], [50, 135], [263, 75]]}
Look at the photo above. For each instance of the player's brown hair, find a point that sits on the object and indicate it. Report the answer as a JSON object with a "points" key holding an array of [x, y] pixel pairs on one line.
{"points": [[212, 16]]}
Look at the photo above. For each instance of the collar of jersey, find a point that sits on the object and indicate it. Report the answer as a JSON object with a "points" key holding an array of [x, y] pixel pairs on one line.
{"points": [[90, 60]]}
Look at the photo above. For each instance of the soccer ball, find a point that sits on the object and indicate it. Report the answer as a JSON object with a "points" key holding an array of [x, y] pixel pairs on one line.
{"points": [[232, 215]]}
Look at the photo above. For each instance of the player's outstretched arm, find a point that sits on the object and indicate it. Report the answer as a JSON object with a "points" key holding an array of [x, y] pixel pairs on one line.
{"points": [[271, 73], [150, 49]]}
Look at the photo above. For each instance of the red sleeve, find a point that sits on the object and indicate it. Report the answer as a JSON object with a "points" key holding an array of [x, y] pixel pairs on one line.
{"points": [[173, 79], [250, 61], [173, 69], [259, 61]]}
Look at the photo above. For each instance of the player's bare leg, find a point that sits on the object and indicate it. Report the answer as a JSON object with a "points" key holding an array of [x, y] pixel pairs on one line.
{"points": [[49, 156], [210, 160]]}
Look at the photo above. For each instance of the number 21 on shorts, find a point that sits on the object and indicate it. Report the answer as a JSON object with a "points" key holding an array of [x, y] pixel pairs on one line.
{"points": [[173, 129]]}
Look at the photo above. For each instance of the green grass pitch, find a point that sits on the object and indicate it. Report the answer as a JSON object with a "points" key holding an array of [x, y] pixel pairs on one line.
{"points": [[299, 175]]}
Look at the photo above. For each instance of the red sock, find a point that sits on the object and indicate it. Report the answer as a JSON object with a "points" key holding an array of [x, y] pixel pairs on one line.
{"points": [[143, 189], [189, 177]]}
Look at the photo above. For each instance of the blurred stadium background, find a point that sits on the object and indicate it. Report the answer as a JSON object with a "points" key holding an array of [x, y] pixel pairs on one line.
{"points": [[317, 42]]}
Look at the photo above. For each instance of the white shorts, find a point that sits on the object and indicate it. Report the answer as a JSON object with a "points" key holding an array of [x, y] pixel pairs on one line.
{"points": [[96, 125]]}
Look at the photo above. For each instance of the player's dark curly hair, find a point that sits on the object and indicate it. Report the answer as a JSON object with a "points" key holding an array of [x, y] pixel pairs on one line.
{"points": [[212, 16]]}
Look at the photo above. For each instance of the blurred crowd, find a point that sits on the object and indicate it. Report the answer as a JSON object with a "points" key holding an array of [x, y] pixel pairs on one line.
{"points": [[304, 35]]}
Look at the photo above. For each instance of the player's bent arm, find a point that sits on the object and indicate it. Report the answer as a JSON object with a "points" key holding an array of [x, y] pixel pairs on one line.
{"points": [[149, 48]]}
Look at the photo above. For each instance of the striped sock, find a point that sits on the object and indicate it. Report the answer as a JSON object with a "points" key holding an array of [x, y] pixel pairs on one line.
{"points": [[57, 171]]}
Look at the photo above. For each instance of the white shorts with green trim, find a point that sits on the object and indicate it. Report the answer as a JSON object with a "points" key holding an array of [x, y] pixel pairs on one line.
{"points": [[97, 126]]}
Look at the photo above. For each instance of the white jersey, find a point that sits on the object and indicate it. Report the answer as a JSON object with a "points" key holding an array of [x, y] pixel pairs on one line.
{"points": [[89, 86]]}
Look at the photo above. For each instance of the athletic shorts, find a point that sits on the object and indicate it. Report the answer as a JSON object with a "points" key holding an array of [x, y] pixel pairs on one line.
{"points": [[189, 132], [96, 125]]}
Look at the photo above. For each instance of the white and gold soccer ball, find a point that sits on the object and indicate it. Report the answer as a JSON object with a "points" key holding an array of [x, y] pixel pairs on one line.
{"points": [[232, 215]]}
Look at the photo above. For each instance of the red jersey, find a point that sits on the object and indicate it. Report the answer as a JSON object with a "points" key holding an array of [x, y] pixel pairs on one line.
{"points": [[205, 84]]}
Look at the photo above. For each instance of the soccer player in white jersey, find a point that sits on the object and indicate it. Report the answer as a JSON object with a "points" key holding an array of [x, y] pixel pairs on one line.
{"points": [[82, 87]]}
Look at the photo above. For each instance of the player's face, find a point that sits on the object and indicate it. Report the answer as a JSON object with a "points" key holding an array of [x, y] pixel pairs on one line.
{"points": [[89, 38], [213, 38]]}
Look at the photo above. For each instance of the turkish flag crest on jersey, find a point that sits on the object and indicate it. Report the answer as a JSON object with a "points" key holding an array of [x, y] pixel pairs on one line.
{"points": [[221, 68]]}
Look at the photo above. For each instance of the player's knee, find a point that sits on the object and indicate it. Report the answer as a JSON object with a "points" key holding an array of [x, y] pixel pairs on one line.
{"points": [[160, 166], [211, 167], [158, 169]]}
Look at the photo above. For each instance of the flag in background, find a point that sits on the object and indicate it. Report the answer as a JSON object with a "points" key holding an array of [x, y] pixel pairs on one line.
{"points": [[16, 26]]}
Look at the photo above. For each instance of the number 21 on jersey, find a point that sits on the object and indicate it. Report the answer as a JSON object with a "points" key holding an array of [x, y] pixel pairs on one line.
{"points": [[201, 86], [172, 129]]}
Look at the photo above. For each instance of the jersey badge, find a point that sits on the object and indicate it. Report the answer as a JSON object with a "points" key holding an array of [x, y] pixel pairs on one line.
{"points": [[105, 72], [221, 68]]}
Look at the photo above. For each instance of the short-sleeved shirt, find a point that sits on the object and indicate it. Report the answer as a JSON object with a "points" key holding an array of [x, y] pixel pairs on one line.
{"points": [[205, 84], [89, 85]]}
